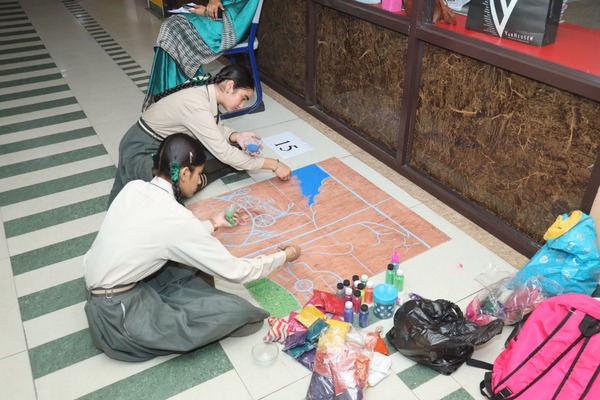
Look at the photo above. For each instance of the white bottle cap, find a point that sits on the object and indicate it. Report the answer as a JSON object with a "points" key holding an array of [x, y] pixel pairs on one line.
{"points": [[399, 272], [369, 284], [364, 277], [348, 290], [348, 304]]}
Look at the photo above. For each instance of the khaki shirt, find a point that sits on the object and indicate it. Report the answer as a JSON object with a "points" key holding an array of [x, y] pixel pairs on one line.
{"points": [[193, 111]]}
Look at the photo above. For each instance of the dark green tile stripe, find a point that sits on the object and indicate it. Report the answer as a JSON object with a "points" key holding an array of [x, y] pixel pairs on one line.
{"points": [[33, 79], [24, 59], [52, 299], [42, 257], [28, 32], [29, 68], [55, 216], [417, 375], [44, 105], [12, 26], [169, 378], [22, 49], [109, 45], [61, 353], [42, 163], [3, 20], [56, 185], [41, 122], [460, 394], [22, 40], [33, 93], [46, 140]]}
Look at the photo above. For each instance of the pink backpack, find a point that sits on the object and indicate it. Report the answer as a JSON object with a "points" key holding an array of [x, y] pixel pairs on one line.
{"points": [[555, 355]]}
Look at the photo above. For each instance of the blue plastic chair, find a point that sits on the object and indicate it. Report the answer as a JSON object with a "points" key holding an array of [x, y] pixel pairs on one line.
{"points": [[248, 46]]}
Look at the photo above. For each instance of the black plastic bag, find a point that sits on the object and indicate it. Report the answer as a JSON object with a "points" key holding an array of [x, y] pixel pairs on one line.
{"points": [[436, 333]]}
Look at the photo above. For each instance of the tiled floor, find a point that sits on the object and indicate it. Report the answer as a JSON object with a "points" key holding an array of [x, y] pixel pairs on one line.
{"points": [[72, 75]]}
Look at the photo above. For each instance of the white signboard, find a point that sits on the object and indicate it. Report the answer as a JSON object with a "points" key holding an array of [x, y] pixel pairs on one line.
{"points": [[286, 145]]}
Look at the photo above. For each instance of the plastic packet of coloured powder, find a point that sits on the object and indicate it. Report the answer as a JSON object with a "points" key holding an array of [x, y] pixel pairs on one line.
{"points": [[315, 330], [327, 302], [308, 315], [295, 339]]}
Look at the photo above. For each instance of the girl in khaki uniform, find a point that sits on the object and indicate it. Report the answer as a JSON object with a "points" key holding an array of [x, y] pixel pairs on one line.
{"points": [[192, 109]]}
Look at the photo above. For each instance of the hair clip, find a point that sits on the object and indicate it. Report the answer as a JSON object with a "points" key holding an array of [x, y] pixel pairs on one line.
{"points": [[191, 158]]}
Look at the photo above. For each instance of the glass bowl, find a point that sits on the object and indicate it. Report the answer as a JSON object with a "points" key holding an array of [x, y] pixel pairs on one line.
{"points": [[265, 353]]}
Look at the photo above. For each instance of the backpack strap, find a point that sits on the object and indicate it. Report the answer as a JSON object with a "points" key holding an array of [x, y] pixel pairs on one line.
{"points": [[479, 364]]}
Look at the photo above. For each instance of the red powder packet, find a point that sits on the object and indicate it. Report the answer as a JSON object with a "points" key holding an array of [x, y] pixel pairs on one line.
{"points": [[327, 302]]}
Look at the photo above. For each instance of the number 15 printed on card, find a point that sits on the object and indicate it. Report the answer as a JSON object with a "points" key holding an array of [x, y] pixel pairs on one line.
{"points": [[286, 145]]}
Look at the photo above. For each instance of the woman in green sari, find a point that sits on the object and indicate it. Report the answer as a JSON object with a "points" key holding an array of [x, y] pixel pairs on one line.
{"points": [[188, 41]]}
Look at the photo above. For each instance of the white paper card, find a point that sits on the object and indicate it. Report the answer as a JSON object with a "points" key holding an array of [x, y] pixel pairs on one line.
{"points": [[286, 145]]}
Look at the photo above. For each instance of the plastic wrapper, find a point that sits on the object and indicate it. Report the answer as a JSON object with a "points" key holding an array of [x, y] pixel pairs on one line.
{"points": [[506, 299], [339, 373], [375, 343], [295, 339], [278, 331], [308, 315], [569, 261], [315, 330], [295, 326], [327, 302], [437, 334], [379, 368], [307, 359], [297, 351]]}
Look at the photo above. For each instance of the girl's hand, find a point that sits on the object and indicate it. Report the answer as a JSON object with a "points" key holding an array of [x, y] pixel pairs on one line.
{"points": [[282, 171], [220, 221], [244, 139], [292, 252]]}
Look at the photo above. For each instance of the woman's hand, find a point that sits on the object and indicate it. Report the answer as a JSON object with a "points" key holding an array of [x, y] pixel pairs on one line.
{"points": [[213, 7], [243, 139], [292, 252]]}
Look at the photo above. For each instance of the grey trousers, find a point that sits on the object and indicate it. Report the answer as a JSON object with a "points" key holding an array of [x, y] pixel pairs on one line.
{"points": [[173, 311]]}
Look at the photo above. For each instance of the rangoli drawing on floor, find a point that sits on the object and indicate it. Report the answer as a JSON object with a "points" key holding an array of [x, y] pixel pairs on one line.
{"points": [[345, 224]]}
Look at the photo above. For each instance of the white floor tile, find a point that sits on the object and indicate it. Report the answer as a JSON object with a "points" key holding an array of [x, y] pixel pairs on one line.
{"points": [[436, 388], [118, 103], [15, 378], [54, 234], [47, 277], [55, 325], [12, 339]]}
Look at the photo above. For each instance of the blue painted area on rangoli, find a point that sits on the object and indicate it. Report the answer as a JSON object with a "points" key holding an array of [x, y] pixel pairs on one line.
{"points": [[311, 178]]}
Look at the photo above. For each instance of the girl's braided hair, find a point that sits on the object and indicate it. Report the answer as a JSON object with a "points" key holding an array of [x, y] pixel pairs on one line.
{"points": [[241, 77], [175, 152]]}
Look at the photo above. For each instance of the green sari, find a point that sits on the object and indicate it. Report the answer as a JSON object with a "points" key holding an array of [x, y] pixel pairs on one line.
{"points": [[188, 41]]}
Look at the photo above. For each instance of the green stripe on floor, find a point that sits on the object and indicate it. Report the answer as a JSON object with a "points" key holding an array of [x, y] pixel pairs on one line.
{"points": [[61, 353], [46, 140], [169, 378], [52, 254], [24, 59], [44, 105], [41, 122], [56, 185], [45, 162], [31, 68], [52, 299], [71, 212], [28, 81], [34, 92]]}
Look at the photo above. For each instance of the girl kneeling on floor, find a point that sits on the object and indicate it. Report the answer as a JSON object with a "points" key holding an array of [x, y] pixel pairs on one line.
{"points": [[145, 296]]}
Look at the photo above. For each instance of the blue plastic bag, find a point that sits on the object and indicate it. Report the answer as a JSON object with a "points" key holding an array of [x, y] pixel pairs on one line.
{"points": [[569, 262]]}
